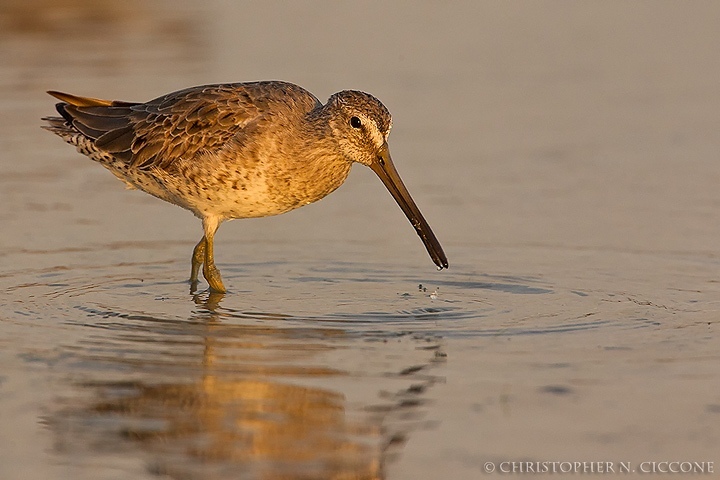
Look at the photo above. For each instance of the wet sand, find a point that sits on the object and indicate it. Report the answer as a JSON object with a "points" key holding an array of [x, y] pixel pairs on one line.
{"points": [[565, 154]]}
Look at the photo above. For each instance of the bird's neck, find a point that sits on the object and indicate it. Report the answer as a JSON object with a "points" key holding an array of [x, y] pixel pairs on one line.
{"points": [[323, 167], [317, 167]]}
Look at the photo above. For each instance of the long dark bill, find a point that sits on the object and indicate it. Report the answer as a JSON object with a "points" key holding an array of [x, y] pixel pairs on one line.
{"points": [[384, 168]]}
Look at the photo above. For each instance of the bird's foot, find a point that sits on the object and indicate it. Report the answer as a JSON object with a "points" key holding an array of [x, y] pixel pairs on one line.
{"points": [[212, 275], [198, 257], [194, 285]]}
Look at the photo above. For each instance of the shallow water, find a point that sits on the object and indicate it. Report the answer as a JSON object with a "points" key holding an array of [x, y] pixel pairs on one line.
{"points": [[564, 153]]}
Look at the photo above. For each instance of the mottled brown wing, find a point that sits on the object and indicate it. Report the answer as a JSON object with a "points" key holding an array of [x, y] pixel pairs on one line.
{"points": [[176, 125]]}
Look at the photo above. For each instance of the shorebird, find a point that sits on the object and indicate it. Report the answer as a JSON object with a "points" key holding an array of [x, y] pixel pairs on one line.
{"points": [[238, 150]]}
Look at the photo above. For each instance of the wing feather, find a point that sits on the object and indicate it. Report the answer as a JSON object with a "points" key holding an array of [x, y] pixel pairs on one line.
{"points": [[181, 124]]}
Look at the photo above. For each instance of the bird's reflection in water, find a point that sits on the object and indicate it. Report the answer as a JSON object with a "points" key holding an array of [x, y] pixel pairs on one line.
{"points": [[210, 301], [238, 401], [248, 426]]}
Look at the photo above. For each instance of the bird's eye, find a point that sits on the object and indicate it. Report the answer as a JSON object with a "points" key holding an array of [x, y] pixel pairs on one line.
{"points": [[355, 122]]}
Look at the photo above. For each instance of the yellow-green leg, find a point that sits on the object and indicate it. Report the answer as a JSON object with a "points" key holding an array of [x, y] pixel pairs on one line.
{"points": [[210, 271], [198, 257]]}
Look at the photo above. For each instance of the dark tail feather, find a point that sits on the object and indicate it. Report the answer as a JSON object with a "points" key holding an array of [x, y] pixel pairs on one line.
{"points": [[60, 107], [96, 118], [58, 126]]}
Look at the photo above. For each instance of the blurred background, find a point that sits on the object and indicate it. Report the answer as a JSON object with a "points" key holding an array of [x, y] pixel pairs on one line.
{"points": [[565, 154]]}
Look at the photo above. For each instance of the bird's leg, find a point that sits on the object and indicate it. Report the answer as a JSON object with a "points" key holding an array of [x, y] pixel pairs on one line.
{"points": [[210, 271], [198, 257]]}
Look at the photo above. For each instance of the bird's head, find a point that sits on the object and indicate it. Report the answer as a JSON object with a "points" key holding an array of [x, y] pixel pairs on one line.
{"points": [[361, 124]]}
